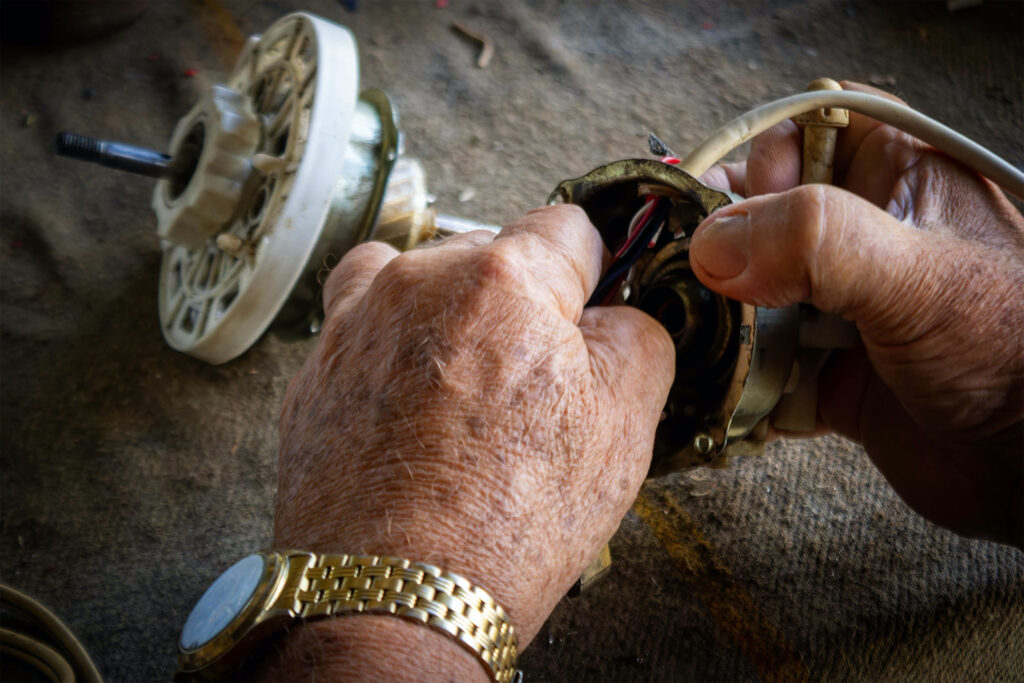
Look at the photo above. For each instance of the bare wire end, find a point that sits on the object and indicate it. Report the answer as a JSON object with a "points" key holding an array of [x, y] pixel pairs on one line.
{"points": [[658, 148]]}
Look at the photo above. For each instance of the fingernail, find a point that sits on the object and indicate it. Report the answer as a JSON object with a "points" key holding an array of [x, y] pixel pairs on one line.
{"points": [[722, 248]]}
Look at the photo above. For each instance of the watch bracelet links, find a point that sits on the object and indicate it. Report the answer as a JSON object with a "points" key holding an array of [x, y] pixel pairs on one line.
{"points": [[340, 585]]}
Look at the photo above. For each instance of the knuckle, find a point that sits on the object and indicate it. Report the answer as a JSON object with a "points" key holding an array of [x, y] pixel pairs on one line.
{"points": [[400, 270], [366, 252], [358, 260], [500, 264], [400, 280], [560, 223], [807, 212], [570, 213], [473, 238]]}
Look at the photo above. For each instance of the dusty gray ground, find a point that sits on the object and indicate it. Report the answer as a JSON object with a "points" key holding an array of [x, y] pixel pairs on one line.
{"points": [[132, 475]]}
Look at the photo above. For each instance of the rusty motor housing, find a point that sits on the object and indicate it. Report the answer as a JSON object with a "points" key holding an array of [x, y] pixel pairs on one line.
{"points": [[733, 360]]}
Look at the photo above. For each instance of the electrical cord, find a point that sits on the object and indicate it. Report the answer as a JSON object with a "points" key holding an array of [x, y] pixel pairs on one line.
{"points": [[36, 654], [54, 664], [652, 221], [942, 138]]}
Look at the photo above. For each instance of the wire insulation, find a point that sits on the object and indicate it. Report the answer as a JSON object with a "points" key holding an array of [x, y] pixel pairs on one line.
{"points": [[646, 231], [80, 660], [942, 138], [634, 226], [38, 655]]}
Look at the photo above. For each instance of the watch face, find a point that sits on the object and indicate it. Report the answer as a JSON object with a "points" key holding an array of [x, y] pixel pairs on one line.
{"points": [[222, 602]]}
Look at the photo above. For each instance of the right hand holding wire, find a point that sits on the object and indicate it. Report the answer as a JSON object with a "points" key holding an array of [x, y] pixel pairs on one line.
{"points": [[463, 409], [928, 259]]}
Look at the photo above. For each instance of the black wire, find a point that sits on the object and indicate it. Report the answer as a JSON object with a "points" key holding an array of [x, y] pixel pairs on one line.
{"points": [[620, 268]]}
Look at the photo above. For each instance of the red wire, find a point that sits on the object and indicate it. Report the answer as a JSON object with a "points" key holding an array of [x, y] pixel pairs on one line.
{"points": [[638, 229]]}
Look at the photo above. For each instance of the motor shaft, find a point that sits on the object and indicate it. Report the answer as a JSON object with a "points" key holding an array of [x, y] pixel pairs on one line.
{"points": [[118, 155], [453, 225]]}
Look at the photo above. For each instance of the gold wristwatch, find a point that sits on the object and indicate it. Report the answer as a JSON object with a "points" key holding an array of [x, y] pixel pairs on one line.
{"points": [[263, 593]]}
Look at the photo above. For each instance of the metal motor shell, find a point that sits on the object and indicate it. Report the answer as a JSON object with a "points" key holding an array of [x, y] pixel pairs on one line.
{"points": [[732, 359]]}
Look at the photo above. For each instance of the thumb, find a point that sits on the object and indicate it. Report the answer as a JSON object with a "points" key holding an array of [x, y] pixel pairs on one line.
{"points": [[826, 246]]}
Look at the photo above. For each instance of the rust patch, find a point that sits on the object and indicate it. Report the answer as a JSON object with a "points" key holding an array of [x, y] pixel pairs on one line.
{"points": [[711, 581]]}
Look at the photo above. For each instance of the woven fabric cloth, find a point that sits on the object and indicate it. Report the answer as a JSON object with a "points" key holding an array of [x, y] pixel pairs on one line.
{"points": [[131, 475]]}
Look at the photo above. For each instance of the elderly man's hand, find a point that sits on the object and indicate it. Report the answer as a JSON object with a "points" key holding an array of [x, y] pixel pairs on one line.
{"points": [[462, 409], [928, 259]]}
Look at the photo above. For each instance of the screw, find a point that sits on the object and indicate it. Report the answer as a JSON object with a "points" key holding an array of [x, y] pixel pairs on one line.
{"points": [[233, 245], [116, 155], [703, 443]]}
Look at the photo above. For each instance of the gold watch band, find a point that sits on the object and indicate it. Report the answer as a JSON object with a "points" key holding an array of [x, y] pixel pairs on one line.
{"points": [[339, 585]]}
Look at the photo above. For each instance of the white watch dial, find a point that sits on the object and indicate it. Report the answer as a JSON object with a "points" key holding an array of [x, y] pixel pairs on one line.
{"points": [[222, 602]]}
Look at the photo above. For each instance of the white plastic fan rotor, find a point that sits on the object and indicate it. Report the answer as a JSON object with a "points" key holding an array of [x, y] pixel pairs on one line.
{"points": [[270, 152], [271, 179]]}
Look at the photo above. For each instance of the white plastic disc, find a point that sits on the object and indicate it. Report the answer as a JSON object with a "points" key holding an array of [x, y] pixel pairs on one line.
{"points": [[301, 79]]}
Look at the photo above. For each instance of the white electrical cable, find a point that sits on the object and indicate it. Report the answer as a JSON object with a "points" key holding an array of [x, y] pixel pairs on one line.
{"points": [[31, 649], [943, 138], [633, 223]]}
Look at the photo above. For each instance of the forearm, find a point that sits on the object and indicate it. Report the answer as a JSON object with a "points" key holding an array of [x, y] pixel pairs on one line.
{"points": [[368, 647]]}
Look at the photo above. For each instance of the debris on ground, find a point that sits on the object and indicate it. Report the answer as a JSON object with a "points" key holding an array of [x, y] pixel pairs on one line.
{"points": [[487, 45], [467, 194]]}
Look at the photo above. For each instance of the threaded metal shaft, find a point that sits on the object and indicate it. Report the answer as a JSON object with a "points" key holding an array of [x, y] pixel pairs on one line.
{"points": [[78, 146], [118, 155]]}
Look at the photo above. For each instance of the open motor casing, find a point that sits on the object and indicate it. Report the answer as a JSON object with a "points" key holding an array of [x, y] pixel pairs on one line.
{"points": [[734, 361]]}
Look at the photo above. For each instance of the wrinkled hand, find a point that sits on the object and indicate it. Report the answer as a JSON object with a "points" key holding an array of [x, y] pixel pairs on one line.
{"points": [[928, 259], [462, 409]]}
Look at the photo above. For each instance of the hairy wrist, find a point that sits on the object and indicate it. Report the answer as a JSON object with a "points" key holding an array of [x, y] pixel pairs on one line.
{"points": [[368, 647], [463, 532]]}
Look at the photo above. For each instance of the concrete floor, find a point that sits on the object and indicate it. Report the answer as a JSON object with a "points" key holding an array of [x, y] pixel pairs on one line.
{"points": [[132, 475]]}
